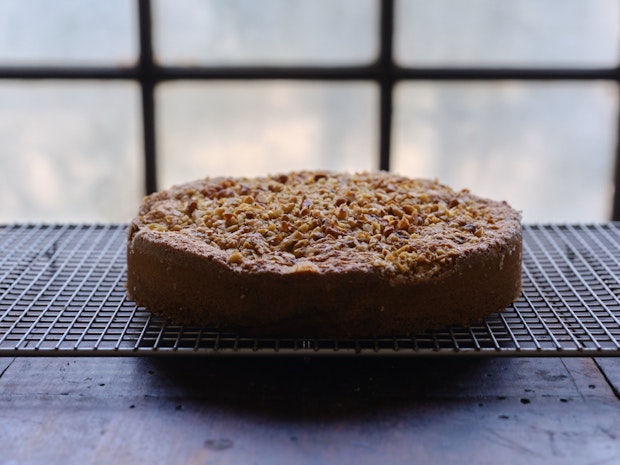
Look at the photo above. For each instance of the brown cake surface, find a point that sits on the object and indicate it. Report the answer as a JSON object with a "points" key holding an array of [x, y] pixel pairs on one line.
{"points": [[323, 254]]}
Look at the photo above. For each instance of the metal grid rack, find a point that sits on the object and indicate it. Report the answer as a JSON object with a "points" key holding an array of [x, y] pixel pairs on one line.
{"points": [[62, 293]]}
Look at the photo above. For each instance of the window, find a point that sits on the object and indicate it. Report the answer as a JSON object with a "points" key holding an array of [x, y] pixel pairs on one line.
{"points": [[102, 103]]}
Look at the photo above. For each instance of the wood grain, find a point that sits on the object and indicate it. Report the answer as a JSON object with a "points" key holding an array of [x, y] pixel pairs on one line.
{"points": [[307, 411], [610, 367]]}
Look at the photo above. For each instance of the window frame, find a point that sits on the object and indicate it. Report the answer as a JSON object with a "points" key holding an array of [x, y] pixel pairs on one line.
{"points": [[383, 71]]}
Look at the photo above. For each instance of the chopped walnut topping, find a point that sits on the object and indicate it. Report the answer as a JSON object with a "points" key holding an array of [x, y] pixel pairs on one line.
{"points": [[323, 221]]}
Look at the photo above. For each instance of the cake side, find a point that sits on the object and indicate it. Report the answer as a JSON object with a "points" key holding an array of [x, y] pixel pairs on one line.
{"points": [[191, 289]]}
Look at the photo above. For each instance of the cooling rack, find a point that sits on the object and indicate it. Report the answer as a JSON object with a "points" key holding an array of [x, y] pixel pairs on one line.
{"points": [[62, 293]]}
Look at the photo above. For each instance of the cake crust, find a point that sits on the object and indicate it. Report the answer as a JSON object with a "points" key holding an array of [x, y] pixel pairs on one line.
{"points": [[315, 254]]}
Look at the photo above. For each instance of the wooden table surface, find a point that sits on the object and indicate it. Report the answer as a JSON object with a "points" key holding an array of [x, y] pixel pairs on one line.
{"points": [[287, 410]]}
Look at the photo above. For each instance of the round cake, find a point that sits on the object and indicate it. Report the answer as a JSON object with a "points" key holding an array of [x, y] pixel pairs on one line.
{"points": [[323, 254]]}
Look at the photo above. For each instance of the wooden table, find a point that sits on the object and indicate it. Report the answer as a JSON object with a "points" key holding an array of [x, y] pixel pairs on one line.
{"points": [[293, 410]]}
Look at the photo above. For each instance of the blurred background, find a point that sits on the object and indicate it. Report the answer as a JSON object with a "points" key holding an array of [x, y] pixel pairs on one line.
{"points": [[72, 147]]}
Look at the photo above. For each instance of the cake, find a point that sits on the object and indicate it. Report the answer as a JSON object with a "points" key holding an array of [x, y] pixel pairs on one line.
{"points": [[323, 254]]}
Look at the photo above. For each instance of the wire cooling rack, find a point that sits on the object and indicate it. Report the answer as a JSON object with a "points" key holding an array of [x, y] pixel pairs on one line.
{"points": [[62, 293]]}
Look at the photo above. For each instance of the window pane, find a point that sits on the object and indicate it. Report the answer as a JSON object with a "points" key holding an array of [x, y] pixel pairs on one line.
{"points": [[208, 32], [69, 151], [546, 148], [507, 33], [219, 128], [74, 32]]}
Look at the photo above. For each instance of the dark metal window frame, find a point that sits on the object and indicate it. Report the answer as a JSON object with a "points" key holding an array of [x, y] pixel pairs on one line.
{"points": [[384, 71]]}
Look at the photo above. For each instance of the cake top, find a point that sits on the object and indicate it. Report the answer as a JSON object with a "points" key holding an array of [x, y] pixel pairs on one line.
{"points": [[312, 221]]}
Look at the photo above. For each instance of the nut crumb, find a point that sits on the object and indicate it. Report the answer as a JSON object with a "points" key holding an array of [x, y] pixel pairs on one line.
{"points": [[391, 222]]}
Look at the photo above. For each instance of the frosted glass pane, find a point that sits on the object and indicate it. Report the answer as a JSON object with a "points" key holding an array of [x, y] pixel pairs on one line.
{"points": [[508, 33], [68, 32], [69, 151], [196, 32], [547, 148], [256, 128]]}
